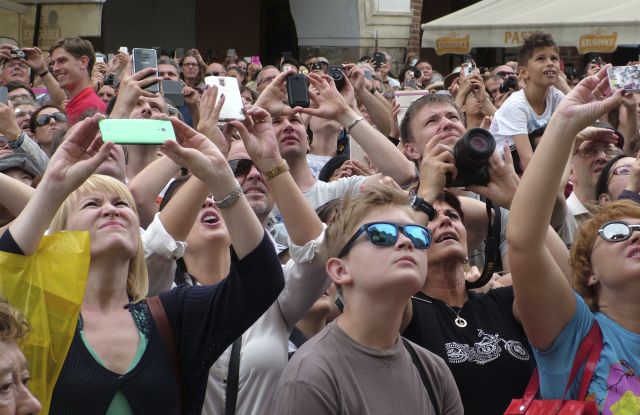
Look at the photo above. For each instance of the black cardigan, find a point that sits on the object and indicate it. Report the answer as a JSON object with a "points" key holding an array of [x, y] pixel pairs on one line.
{"points": [[205, 320]]}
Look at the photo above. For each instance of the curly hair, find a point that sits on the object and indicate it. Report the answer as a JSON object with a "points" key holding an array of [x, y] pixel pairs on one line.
{"points": [[532, 42], [13, 324], [580, 259]]}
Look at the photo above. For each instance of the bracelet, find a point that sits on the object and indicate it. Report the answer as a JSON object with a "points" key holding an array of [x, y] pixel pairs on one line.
{"points": [[231, 198], [283, 167], [43, 74], [353, 123]]}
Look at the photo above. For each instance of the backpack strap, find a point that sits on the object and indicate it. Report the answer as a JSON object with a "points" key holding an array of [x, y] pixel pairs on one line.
{"points": [[423, 375], [233, 378]]}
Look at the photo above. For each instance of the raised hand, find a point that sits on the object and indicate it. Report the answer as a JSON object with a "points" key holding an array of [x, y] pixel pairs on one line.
{"points": [[437, 162], [589, 100], [259, 138], [210, 107], [35, 60], [273, 98], [327, 102], [77, 158]]}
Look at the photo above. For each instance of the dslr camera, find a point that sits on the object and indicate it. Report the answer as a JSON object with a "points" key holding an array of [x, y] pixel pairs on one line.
{"points": [[338, 77], [510, 82], [110, 80], [18, 54], [471, 154]]}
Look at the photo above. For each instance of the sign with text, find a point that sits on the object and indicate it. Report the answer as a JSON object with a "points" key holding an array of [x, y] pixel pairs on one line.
{"points": [[454, 43], [598, 42]]}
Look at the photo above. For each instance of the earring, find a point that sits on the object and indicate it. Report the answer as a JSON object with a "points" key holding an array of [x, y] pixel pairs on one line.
{"points": [[593, 279]]}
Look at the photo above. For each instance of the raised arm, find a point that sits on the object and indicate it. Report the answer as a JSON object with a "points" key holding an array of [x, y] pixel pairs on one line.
{"points": [[38, 65], [195, 151], [76, 159], [543, 297], [329, 104], [378, 110]]}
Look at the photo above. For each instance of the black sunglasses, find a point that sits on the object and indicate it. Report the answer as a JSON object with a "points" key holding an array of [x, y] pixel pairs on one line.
{"points": [[386, 234], [44, 119], [214, 73], [240, 167], [617, 231]]}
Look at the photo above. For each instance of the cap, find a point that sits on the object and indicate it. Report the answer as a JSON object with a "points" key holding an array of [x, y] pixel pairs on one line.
{"points": [[21, 161], [448, 80], [322, 59]]}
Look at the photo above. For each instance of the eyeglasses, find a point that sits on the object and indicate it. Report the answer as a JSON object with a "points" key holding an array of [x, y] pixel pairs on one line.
{"points": [[617, 231], [44, 119], [504, 74], [216, 73], [386, 234], [190, 64], [240, 167], [609, 152]]}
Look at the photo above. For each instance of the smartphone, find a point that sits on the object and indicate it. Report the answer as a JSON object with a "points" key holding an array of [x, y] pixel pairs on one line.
{"points": [[123, 49], [286, 55], [100, 58], [255, 60], [356, 152], [298, 91], [146, 58], [110, 57], [178, 53], [410, 83], [125, 131], [471, 65], [367, 74], [624, 77], [4, 95], [231, 53], [379, 59], [232, 107], [172, 91]]}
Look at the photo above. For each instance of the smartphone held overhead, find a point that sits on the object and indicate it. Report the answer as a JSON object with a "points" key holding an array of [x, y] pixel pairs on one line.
{"points": [[298, 90], [129, 131], [146, 58], [624, 77], [232, 107]]}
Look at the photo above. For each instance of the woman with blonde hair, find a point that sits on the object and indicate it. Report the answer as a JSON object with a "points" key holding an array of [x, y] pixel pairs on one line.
{"points": [[122, 359], [604, 262]]}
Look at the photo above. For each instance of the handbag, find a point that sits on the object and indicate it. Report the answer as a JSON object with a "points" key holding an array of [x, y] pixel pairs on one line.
{"points": [[589, 351]]}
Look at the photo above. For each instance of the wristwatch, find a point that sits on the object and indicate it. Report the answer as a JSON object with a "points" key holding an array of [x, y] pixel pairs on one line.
{"points": [[230, 199], [421, 205]]}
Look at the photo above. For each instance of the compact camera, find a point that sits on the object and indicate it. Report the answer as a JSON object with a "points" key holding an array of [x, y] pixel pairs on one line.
{"points": [[472, 153], [18, 54], [338, 77]]}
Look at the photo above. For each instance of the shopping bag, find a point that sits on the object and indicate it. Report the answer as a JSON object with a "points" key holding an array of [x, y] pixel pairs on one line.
{"points": [[47, 288]]}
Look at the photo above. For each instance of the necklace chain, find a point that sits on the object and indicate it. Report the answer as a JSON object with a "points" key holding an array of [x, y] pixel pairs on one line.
{"points": [[460, 322]]}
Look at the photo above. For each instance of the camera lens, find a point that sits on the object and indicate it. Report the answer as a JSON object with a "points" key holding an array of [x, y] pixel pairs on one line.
{"points": [[511, 82], [475, 148], [417, 73], [338, 77]]}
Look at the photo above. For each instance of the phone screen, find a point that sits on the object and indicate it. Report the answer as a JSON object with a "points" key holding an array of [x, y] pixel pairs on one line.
{"points": [[172, 91], [125, 131], [146, 58], [4, 95]]}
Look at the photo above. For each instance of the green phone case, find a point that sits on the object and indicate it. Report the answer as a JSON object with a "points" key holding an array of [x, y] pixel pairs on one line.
{"points": [[137, 131]]}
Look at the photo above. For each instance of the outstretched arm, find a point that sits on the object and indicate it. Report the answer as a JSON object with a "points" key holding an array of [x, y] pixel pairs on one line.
{"points": [[543, 297]]}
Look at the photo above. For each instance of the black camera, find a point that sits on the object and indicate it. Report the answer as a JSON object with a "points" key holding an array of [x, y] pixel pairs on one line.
{"points": [[110, 80], [472, 153], [510, 82], [317, 66], [417, 73], [338, 77], [18, 54]]}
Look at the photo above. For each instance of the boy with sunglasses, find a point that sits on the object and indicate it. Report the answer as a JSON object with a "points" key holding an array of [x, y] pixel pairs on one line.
{"points": [[359, 363]]}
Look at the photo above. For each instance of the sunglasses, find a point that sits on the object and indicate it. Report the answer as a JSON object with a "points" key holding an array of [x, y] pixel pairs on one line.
{"points": [[386, 234], [240, 167], [215, 73], [617, 231], [44, 119], [504, 74]]}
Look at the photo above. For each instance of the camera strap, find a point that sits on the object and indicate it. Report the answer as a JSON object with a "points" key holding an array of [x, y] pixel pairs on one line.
{"points": [[491, 247]]}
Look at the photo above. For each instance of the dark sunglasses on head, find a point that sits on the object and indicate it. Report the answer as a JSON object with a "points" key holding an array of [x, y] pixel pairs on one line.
{"points": [[617, 231], [44, 119], [240, 167], [386, 234]]}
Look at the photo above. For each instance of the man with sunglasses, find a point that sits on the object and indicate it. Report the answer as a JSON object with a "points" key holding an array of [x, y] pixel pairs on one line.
{"points": [[14, 140], [359, 364]]}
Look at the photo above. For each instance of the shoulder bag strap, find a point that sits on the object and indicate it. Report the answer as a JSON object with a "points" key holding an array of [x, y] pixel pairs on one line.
{"points": [[233, 377], [423, 375], [164, 328], [594, 356]]}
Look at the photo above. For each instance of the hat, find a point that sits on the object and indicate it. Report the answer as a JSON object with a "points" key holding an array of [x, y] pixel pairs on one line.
{"points": [[21, 161], [448, 80], [322, 59]]}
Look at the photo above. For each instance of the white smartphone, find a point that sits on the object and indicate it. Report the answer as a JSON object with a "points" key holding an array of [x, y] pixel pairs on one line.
{"points": [[232, 108]]}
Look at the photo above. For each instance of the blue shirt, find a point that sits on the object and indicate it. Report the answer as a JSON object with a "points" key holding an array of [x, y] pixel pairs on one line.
{"points": [[615, 385]]}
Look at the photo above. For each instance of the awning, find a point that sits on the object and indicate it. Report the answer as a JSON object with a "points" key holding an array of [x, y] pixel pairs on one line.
{"points": [[590, 25], [59, 18]]}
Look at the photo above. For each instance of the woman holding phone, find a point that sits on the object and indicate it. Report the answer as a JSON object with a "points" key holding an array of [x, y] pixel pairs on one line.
{"points": [[117, 362]]}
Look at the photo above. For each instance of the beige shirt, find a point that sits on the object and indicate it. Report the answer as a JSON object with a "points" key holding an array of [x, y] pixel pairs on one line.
{"points": [[332, 374]]}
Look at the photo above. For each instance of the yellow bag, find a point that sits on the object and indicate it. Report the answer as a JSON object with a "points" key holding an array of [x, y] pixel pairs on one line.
{"points": [[48, 288]]}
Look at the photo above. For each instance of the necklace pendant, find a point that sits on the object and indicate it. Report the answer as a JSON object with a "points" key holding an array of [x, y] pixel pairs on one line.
{"points": [[460, 322]]}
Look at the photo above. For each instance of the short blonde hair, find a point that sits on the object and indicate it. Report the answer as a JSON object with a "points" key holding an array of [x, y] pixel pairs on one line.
{"points": [[580, 259], [13, 324], [354, 208], [137, 279]]}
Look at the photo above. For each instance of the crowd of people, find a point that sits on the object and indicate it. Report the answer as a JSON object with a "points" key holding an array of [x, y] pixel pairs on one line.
{"points": [[355, 256]]}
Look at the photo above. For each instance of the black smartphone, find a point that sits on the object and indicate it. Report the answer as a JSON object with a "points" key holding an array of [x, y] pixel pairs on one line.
{"points": [[178, 53], [172, 91], [287, 55], [231, 53], [298, 90], [4, 95], [146, 58], [379, 59]]}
